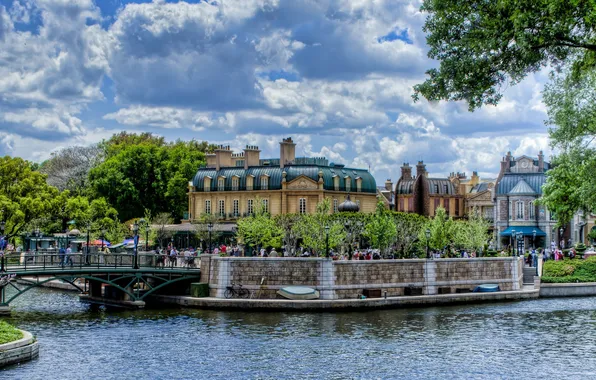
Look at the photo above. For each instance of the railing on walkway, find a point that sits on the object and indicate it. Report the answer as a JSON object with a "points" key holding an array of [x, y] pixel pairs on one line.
{"points": [[31, 260]]}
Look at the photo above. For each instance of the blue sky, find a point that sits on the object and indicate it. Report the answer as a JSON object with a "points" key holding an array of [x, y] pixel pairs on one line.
{"points": [[335, 75]]}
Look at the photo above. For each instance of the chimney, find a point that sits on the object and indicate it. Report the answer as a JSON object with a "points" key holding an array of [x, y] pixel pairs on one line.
{"points": [[251, 156], [223, 157], [420, 169], [540, 162], [508, 159], [210, 160], [475, 180], [287, 152], [406, 171], [388, 185]]}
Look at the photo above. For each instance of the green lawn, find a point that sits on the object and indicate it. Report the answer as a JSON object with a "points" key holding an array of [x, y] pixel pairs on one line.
{"points": [[9, 333], [569, 271]]}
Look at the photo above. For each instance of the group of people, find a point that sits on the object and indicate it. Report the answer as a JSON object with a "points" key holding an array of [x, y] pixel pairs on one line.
{"points": [[171, 257]]}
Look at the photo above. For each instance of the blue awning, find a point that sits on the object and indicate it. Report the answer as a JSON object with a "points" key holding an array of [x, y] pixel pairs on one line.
{"points": [[526, 230]]}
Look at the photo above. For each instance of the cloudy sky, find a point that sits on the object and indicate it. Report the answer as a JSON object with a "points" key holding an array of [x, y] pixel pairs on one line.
{"points": [[335, 75]]}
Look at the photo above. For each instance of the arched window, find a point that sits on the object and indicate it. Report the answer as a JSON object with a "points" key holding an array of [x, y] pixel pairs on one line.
{"points": [[235, 183], [510, 210], [302, 206], [236, 208], [266, 205], [335, 205], [532, 210], [221, 183], [249, 206], [348, 184], [207, 206], [264, 182]]}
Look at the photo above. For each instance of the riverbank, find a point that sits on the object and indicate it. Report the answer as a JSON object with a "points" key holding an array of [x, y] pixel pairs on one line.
{"points": [[528, 292]]}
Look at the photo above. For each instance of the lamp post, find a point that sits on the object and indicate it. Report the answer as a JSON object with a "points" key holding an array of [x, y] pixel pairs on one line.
{"points": [[87, 250], [209, 228], [135, 230], [327, 241], [145, 223], [103, 236], [3, 245], [561, 243], [534, 239], [514, 235], [427, 239], [36, 234]]}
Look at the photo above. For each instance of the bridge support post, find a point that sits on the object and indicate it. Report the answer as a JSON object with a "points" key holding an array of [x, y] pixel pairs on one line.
{"points": [[4, 307]]}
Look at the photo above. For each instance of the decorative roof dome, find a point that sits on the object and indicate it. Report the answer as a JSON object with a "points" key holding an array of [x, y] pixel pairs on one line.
{"points": [[348, 205], [74, 232]]}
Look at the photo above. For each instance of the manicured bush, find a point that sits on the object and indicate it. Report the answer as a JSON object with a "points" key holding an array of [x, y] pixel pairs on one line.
{"points": [[9, 333], [570, 271]]}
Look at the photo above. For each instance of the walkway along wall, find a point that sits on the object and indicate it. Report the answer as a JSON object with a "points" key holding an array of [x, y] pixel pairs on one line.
{"points": [[348, 279]]}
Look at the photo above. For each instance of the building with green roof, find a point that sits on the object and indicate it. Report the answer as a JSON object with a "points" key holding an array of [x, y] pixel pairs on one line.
{"points": [[230, 184]]}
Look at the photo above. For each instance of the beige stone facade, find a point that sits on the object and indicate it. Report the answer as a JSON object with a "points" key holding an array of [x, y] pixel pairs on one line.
{"points": [[232, 182]]}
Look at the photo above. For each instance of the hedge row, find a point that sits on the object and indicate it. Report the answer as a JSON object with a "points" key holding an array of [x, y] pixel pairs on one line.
{"points": [[570, 271]]}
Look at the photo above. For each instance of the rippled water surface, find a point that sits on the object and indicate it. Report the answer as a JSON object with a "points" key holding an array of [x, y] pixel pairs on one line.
{"points": [[544, 339]]}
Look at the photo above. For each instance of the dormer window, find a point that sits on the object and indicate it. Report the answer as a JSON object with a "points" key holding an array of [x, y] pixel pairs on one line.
{"points": [[358, 184], [446, 189], [235, 183], [348, 184], [336, 182], [221, 184], [250, 182], [264, 183], [436, 189]]}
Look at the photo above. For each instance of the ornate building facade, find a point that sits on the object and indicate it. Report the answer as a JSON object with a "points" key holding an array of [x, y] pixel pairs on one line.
{"points": [[231, 183], [424, 195], [518, 186]]}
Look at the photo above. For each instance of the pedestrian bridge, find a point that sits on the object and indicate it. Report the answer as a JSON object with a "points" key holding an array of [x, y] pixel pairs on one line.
{"points": [[116, 279]]}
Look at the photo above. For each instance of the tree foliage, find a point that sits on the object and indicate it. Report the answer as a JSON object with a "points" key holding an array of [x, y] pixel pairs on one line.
{"points": [[312, 229], [68, 169], [24, 195], [259, 229], [144, 172], [381, 229], [484, 46]]}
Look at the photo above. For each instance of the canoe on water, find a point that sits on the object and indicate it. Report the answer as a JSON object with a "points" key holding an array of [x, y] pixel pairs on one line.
{"points": [[299, 293], [487, 288]]}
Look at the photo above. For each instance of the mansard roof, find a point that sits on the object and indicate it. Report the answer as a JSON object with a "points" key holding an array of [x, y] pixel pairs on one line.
{"points": [[534, 181], [275, 174], [407, 186]]}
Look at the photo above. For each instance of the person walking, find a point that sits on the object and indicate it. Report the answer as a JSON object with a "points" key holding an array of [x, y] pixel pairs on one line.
{"points": [[68, 258]]}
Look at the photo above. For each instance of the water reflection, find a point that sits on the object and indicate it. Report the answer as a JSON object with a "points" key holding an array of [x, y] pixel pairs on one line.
{"points": [[475, 341]]}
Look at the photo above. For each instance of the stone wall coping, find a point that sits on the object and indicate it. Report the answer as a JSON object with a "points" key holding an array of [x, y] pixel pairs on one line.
{"points": [[568, 285], [26, 340], [359, 262]]}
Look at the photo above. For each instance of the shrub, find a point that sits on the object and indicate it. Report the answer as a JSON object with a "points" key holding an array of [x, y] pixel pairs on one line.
{"points": [[9, 333]]}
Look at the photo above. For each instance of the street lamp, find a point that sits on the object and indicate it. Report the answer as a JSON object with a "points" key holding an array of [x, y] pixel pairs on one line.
{"points": [[146, 224], [103, 236], [3, 245], [561, 243], [534, 239], [87, 250], [427, 239], [209, 228], [135, 230], [514, 235], [327, 241]]}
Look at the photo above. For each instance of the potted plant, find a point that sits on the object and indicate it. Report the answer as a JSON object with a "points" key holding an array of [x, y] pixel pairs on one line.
{"points": [[580, 249]]}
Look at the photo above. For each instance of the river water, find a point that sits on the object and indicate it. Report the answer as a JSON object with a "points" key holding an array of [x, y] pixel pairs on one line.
{"points": [[546, 338]]}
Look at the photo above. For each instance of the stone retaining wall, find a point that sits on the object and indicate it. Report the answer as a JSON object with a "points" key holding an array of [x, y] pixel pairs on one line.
{"points": [[22, 350], [568, 290], [348, 279]]}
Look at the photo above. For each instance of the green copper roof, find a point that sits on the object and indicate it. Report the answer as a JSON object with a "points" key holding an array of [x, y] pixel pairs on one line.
{"points": [[292, 172], [522, 187]]}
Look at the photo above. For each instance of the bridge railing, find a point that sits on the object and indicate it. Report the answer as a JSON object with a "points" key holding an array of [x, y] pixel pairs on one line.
{"points": [[31, 260]]}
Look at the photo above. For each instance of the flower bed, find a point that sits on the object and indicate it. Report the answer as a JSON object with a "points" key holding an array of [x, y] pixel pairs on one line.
{"points": [[569, 271]]}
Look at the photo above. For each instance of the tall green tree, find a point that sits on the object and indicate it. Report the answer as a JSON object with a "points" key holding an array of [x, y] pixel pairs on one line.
{"points": [[409, 226], [441, 230], [381, 229], [312, 229], [144, 172], [259, 229], [485, 46], [24, 195]]}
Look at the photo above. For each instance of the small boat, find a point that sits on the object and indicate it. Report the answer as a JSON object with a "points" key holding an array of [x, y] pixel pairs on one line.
{"points": [[298, 293], [487, 288]]}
